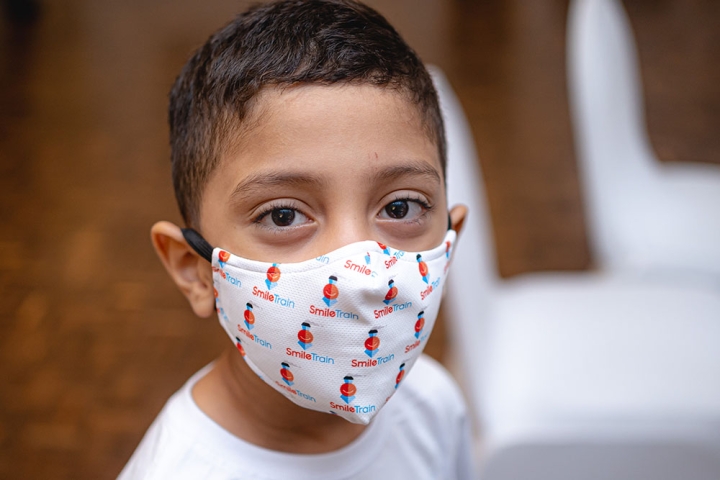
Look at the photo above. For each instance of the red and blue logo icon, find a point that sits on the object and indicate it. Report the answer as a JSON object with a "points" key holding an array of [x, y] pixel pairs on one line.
{"points": [[419, 324], [305, 337], [286, 374], [249, 316], [372, 343], [400, 375], [348, 389], [223, 257], [273, 275], [384, 248], [422, 266], [391, 293], [239, 346], [448, 246], [330, 292]]}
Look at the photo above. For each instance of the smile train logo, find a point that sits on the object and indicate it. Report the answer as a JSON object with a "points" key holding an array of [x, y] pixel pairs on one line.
{"points": [[372, 343], [305, 337], [223, 257], [348, 390], [400, 375], [419, 324], [330, 292], [249, 316], [391, 293], [422, 266], [273, 275], [286, 374], [238, 344]]}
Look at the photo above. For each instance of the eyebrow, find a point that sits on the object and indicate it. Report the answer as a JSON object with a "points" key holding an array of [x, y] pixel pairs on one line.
{"points": [[262, 181], [412, 169]]}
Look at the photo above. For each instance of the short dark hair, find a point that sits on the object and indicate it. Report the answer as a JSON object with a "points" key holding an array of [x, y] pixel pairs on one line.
{"points": [[283, 43]]}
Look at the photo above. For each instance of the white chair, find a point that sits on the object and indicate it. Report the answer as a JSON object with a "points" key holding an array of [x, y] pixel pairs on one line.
{"points": [[577, 376], [645, 217]]}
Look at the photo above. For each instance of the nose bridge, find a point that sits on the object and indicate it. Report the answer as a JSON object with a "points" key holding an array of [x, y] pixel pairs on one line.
{"points": [[345, 227]]}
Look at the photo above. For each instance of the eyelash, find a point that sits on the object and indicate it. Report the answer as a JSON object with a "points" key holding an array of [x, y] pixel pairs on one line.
{"points": [[407, 198], [279, 206], [270, 208]]}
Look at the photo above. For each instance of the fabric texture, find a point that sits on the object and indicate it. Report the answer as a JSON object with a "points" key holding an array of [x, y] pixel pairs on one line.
{"points": [[422, 433]]}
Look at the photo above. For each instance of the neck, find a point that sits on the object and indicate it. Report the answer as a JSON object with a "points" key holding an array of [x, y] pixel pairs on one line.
{"points": [[242, 403]]}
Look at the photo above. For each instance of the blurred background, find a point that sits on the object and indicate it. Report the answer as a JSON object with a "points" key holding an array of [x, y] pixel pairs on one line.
{"points": [[94, 337]]}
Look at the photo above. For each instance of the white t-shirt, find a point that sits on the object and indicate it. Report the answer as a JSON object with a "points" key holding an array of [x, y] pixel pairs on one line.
{"points": [[422, 432]]}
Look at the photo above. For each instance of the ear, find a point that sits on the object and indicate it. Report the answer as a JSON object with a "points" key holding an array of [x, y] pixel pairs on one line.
{"points": [[457, 217], [191, 273]]}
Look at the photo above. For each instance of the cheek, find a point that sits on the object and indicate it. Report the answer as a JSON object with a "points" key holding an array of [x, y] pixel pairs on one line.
{"points": [[416, 235]]}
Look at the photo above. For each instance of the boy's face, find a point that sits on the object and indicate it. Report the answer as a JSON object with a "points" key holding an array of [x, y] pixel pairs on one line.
{"points": [[324, 166]]}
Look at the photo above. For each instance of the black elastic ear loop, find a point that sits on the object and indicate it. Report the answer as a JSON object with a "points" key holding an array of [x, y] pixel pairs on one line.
{"points": [[198, 243], [449, 222]]}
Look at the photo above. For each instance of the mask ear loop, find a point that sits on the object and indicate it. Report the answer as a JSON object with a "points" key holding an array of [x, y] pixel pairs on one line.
{"points": [[449, 222], [198, 243]]}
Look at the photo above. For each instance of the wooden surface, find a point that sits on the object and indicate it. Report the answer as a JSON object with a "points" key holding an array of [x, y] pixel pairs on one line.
{"points": [[93, 335]]}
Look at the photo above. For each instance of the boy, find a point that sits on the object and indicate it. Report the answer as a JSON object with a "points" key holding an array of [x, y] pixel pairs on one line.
{"points": [[307, 144]]}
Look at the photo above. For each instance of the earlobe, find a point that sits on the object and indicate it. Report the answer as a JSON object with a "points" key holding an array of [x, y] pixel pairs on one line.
{"points": [[191, 273], [457, 217]]}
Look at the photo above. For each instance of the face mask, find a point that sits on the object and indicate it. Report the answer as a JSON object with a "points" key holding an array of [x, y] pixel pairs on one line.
{"points": [[337, 333]]}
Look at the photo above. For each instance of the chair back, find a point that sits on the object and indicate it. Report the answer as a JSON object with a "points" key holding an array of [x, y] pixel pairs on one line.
{"points": [[473, 274], [644, 217], [615, 160]]}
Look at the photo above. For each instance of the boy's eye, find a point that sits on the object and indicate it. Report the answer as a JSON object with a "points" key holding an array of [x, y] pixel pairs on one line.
{"points": [[397, 209], [283, 217], [408, 209]]}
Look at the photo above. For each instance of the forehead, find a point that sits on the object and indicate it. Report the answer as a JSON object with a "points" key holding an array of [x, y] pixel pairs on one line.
{"points": [[332, 107], [348, 129]]}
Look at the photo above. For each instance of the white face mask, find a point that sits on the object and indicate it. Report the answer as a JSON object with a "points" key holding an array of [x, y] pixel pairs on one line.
{"points": [[337, 333]]}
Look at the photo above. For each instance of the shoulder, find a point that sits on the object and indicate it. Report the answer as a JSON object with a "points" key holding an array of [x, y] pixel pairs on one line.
{"points": [[177, 445], [159, 444], [165, 451]]}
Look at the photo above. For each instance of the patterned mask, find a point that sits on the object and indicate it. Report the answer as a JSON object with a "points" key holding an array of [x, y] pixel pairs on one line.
{"points": [[336, 333]]}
